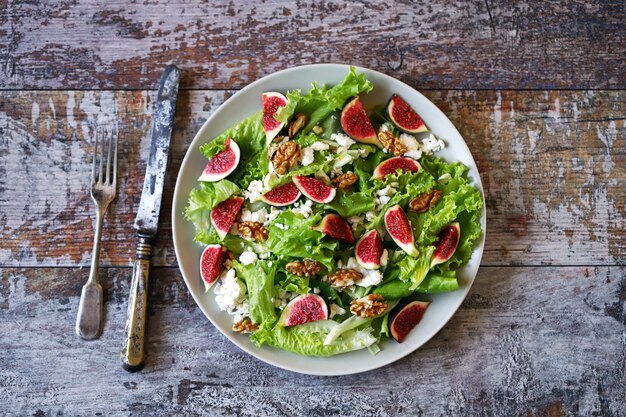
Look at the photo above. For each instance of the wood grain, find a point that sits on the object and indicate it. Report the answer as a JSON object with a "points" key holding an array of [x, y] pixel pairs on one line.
{"points": [[526, 341], [553, 165], [452, 44]]}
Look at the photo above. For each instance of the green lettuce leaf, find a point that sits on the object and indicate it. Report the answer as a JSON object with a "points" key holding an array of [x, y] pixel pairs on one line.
{"points": [[203, 198], [292, 236], [351, 204], [259, 279], [435, 284], [414, 270]]}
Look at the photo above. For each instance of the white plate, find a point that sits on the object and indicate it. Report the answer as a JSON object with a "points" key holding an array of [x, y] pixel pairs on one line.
{"points": [[248, 101]]}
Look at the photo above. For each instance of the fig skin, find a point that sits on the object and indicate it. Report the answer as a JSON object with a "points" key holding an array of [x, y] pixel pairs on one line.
{"points": [[271, 126], [356, 124], [273, 196], [389, 166], [377, 249], [399, 228], [286, 318], [403, 116], [229, 157], [315, 189], [334, 226], [446, 245], [212, 264], [228, 209], [405, 317]]}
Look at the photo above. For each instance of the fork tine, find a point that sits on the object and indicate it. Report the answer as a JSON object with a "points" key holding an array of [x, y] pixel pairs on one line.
{"points": [[108, 176], [93, 163], [99, 133], [115, 157]]}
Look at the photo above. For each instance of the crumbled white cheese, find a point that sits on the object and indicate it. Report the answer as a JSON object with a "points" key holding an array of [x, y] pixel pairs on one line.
{"points": [[247, 257], [370, 276], [432, 144], [281, 226], [384, 128], [355, 221], [342, 140], [336, 172], [259, 216], [382, 200], [254, 191], [230, 295], [274, 212], [370, 215], [307, 156], [444, 178], [316, 290], [283, 299], [385, 150], [270, 167], [414, 149], [271, 176], [319, 146], [387, 191], [304, 209], [384, 257], [329, 158], [363, 153], [336, 310]]}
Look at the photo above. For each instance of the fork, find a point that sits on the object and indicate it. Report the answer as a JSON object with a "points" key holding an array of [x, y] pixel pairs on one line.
{"points": [[103, 184]]}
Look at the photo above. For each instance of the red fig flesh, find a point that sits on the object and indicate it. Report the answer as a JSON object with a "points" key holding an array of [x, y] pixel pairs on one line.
{"points": [[369, 250], [212, 264], [334, 226], [404, 318], [400, 230], [282, 196], [224, 214], [304, 309], [222, 164], [271, 102], [446, 244], [403, 116], [315, 189], [356, 124], [391, 165]]}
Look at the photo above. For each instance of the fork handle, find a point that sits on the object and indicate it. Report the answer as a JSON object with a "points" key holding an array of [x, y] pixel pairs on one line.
{"points": [[133, 352]]}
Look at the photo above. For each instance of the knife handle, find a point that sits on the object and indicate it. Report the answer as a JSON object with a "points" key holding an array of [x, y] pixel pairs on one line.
{"points": [[133, 352]]}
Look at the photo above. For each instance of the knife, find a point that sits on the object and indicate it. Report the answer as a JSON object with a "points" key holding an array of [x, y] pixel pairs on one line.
{"points": [[133, 353]]}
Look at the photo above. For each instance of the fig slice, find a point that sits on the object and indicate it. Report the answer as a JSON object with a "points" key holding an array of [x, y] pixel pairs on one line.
{"points": [[212, 264], [403, 116], [222, 164], [334, 226], [400, 229], [404, 317], [315, 189], [447, 242], [271, 102], [369, 250], [391, 165], [356, 124], [224, 214], [283, 195], [304, 308]]}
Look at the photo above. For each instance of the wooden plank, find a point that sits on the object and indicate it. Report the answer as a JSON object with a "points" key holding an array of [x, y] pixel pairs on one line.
{"points": [[553, 166], [527, 341], [453, 44]]}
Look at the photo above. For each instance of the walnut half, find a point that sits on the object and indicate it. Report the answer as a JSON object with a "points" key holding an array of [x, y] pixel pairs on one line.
{"points": [[298, 122], [345, 180], [344, 278], [254, 230], [369, 306], [245, 326], [392, 142], [305, 268], [287, 156], [423, 202]]}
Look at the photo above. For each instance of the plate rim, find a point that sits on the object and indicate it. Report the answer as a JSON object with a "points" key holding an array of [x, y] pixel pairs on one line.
{"points": [[478, 250]]}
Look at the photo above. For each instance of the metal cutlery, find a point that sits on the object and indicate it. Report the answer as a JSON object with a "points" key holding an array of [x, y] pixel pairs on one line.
{"points": [[133, 353], [103, 185]]}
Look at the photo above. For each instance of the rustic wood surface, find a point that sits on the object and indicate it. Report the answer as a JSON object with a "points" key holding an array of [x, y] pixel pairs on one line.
{"points": [[538, 91]]}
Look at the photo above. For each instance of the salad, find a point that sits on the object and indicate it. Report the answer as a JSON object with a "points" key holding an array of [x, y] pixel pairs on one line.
{"points": [[325, 224]]}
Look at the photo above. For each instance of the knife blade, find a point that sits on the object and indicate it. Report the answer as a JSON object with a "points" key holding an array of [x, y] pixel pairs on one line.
{"points": [[146, 223]]}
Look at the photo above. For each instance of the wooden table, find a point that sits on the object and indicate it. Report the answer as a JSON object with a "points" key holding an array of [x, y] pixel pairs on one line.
{"points": [[538, 91]]}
